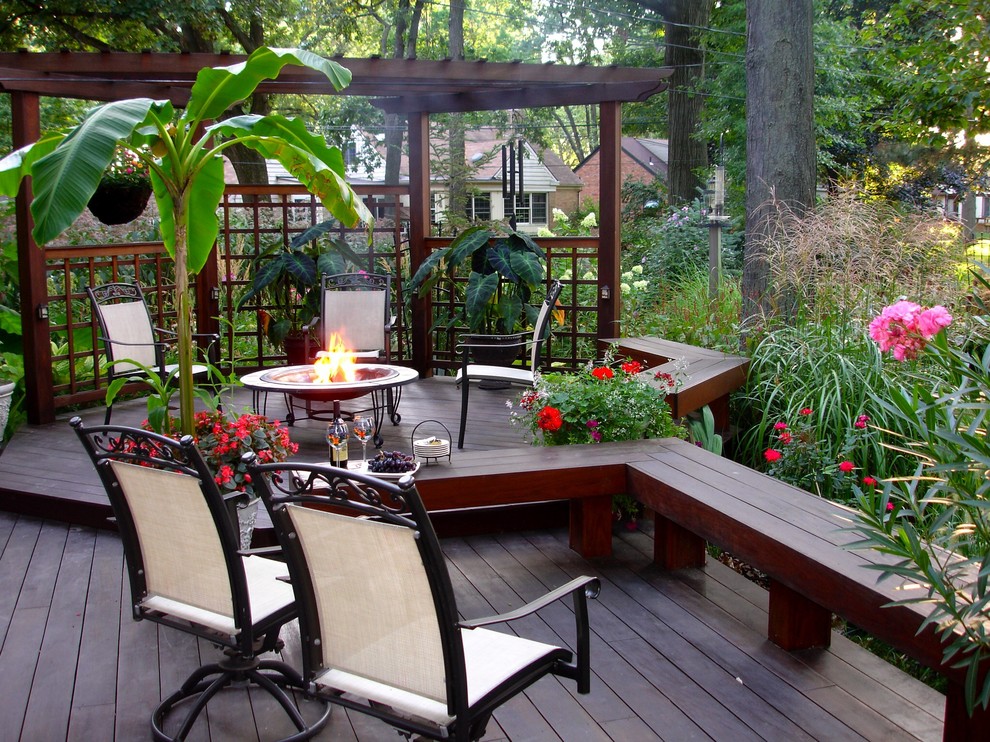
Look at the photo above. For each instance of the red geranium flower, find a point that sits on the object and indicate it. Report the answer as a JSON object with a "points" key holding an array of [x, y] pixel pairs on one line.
{"points": [[549, 419], [602, 373], [632, 367]]}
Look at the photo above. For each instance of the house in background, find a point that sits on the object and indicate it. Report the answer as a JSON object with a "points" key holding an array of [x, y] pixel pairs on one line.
{"points": [[547, 181], [642, 160]]}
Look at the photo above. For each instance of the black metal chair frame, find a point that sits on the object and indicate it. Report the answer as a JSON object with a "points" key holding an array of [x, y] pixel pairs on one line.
{"points": [[537, 342], [251, 638], [327, 488], [116, 350]]}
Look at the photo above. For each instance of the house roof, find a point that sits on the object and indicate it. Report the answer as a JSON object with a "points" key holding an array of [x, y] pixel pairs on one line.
{"points": [[651, 154], [397, 85]]}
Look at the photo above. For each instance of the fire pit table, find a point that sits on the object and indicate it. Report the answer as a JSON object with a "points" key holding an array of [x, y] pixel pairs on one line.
{"points": [[384, 383]]}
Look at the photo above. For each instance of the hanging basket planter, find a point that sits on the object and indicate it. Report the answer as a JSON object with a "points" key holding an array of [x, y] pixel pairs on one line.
{"points": [[119, 203]]}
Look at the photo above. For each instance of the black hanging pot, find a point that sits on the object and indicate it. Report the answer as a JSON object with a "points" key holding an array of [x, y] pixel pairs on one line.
{"points": [[119, 203]]}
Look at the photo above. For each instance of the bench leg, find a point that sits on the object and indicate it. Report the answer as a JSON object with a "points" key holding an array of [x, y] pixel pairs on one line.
{"points": [[796, 622], [960, 726], [675, 547], [591, 526]]}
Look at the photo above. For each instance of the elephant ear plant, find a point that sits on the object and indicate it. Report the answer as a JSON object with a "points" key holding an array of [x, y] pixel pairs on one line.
{"points": [[183, 154], [505, 279]]}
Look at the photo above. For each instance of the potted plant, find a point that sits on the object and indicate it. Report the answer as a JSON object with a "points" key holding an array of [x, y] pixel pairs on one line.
{"points": [[124, 189], [286, 280], [505, 283], [184, 157]]}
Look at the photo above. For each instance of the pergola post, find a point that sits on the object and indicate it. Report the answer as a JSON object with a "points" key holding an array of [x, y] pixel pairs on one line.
{"points": [[610, 206], [38, 381], [419, 229]]}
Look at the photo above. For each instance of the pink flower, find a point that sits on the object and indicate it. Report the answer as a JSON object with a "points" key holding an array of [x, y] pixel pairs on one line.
{"points": [[772, 455], [904, 328], [890, 506], [806, 411], [846, 466], [932, 321], [861, 421], [780, 426], [785, 438], [869, 481]]}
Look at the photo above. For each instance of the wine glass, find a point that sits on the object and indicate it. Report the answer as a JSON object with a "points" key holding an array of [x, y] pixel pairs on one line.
{"points": [[363, 428], [336, 439]]}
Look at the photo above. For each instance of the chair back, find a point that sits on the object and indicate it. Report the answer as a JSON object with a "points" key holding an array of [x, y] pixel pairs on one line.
{"points": [[345, 534], [356, 307], [123, 316], [179, 540], [540, 332]]}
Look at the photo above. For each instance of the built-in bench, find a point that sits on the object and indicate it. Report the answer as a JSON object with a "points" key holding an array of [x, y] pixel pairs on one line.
{"points": [[794, 537], [705, 377], [799, 540]]}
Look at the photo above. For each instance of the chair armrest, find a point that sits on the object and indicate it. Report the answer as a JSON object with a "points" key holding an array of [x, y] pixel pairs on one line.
{"points": [[111, 341], [581, 588], [265, 551], [313, 324]]}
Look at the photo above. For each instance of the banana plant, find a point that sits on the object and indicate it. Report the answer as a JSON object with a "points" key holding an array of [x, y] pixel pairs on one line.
{"points": [[183, 153]]}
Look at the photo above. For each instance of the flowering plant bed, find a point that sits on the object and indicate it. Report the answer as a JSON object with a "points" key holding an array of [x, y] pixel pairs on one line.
{"points": [[597, 404], [224, 440]]}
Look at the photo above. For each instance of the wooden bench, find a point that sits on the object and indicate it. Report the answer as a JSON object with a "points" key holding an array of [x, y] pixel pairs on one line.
{"points": [[587, 475], [798, 540], [711, 376]]}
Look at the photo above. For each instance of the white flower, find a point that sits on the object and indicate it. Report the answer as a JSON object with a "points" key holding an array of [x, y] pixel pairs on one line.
{"points": [[560, 216], [590, 221], [640, 285], [625, 288], [627, 276], [544, 232], [589, 276], [637, 268]]}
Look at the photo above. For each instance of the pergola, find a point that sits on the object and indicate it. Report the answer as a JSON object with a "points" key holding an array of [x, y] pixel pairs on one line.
{"points": [[415, 88]]}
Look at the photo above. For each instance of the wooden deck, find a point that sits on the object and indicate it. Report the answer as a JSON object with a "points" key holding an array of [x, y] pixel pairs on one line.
{"points": [[676, 656]]}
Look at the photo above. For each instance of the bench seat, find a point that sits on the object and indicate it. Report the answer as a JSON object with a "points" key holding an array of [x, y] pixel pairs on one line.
{"points": [[800, 541]]}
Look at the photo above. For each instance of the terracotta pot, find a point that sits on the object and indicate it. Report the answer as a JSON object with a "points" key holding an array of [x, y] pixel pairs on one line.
{"points": [[115, 203], [295, 349]]}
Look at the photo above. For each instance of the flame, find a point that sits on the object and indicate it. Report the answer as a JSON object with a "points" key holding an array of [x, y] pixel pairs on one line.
{"points": [[336, 363]]}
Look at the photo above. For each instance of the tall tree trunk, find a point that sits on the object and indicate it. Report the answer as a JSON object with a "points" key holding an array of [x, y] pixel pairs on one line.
{"points": [[780, 131], [688, 152], [458, 160], [403, 46]]}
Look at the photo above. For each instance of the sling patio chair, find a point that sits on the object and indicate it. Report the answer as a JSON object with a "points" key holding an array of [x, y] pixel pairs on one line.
{"points": [[356, 309], [512, 375], [186, 572], [377, 615], [131, 341]]}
